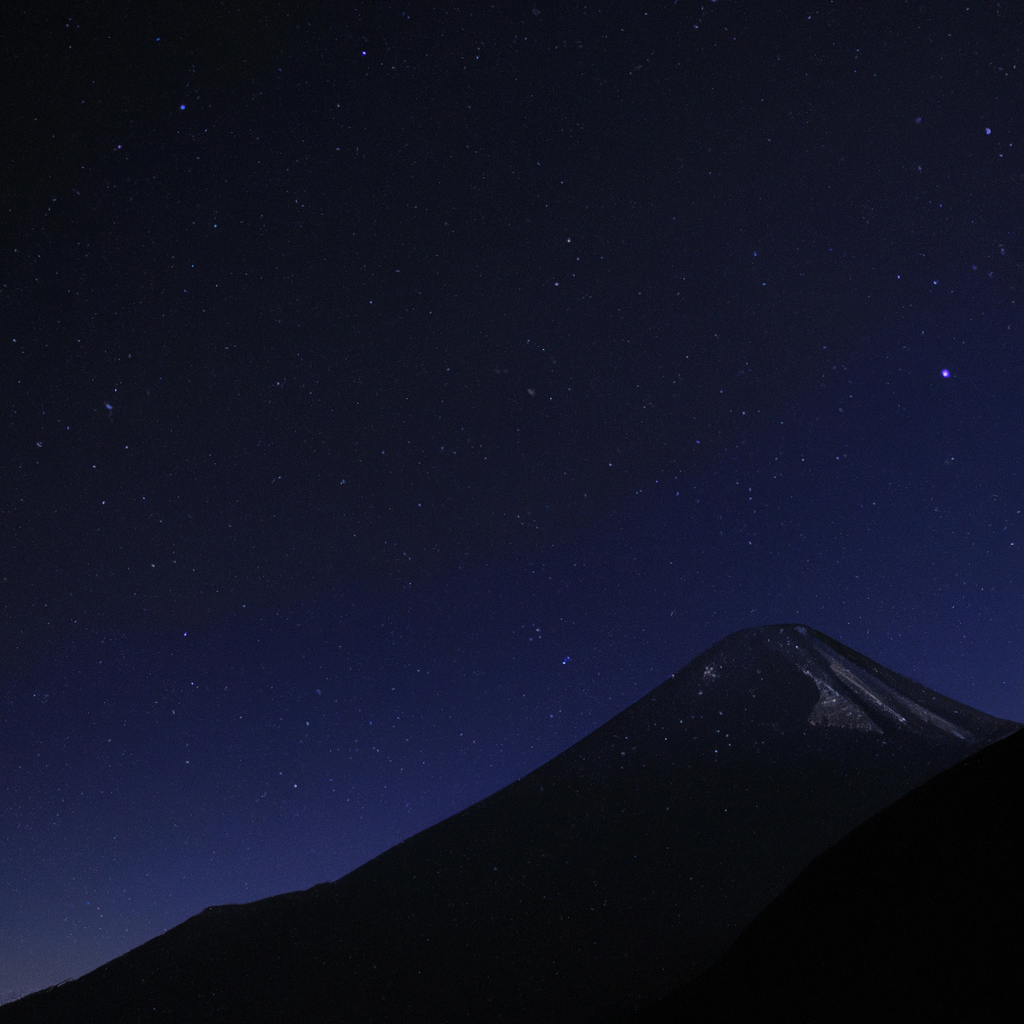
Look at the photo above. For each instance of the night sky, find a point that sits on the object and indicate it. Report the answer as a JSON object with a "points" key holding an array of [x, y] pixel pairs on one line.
{"points": [[391, 397]]}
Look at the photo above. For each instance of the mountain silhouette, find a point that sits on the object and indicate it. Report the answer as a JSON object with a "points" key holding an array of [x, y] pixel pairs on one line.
{"points": [[916, 915], [586, 890]]}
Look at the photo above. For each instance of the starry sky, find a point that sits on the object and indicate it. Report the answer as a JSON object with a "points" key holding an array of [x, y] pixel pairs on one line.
{"points": [[391, 396]]}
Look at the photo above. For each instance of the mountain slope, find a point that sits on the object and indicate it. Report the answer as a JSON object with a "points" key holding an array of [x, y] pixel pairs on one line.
{"points": [[619, 869], [916, 915]]}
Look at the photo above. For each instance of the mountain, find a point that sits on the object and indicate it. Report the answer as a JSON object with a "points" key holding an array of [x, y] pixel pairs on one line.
{"points": [[916, 915], [615, 872]]}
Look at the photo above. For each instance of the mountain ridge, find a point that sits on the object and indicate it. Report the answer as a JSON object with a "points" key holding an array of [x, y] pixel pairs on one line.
{"points": [[616, 871]]}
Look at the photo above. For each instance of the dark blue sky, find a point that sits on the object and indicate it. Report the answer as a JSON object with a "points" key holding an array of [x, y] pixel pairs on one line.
{"points": [[389, 399]]}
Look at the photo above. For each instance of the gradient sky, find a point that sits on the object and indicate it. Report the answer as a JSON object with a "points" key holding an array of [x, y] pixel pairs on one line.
{"points": [[390, 397]]}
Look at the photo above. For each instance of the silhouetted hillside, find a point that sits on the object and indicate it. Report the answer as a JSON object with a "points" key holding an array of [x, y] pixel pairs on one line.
{"points": [[916, 915], [616, 871]]}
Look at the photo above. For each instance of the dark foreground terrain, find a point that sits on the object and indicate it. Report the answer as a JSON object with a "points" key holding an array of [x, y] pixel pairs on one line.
{"points": [[918, 914], [615, 873]]}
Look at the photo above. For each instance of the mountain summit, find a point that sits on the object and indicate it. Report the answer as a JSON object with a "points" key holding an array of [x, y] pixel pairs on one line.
{"points": [[618, 870]]}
